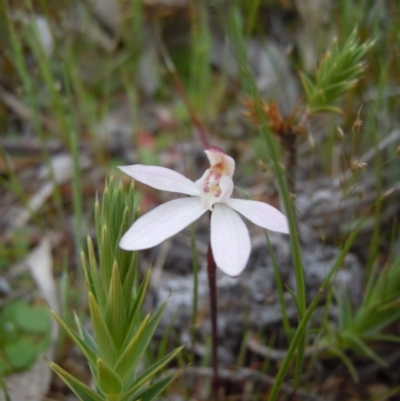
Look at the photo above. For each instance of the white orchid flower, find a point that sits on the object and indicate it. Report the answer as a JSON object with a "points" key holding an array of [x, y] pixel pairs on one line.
{"points": [[230, 240]]}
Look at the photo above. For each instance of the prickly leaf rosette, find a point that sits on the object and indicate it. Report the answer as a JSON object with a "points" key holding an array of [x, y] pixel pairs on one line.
{"points": [[230, 241]]}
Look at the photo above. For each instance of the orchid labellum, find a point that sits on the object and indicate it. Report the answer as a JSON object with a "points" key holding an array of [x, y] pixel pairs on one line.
{"points": [[230, 241]]}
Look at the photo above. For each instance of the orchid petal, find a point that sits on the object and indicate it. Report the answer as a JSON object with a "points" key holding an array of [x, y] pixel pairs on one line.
{"points": [[217, 156], [261, 214], [230, 241], [161, 223], [161, 178], [202, 180]]}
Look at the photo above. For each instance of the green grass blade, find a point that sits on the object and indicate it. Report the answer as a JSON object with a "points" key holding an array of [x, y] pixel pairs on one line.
{"points": [[199, 84], [279, 286], [134, 312], [154, 390], [85, 335], [152, 371], [86, 350], [249, 86], [103, 336], [347, 362], [76, 177], [300, 332], [108, 381], [127, 362], [360, 346], [115, 312], [81, 390]]}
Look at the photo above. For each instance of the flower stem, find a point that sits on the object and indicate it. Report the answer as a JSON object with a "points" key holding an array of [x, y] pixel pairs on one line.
{"points": [[204, 133], [195, 290], [212, 283]]}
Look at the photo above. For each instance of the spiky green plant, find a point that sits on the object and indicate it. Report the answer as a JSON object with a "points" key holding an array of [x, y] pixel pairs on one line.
{"points": [[121, 334], [356, 328], [339, 71]]}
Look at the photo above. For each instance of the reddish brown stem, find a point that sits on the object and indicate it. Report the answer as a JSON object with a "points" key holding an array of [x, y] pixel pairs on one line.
{"points": [[203, 131], [212, 283]]}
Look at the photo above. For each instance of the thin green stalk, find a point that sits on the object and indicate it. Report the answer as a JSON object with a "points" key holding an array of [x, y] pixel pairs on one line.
{"points": [[252, 16], [240, 360], [76, 181], [250, 89], [136, 46], [44, 67], [297, 339], [375, 243], [132, 92], [87, 103], [137, 26], [200, 58], [27, 80], [279, 287], [299, 335], [271, 343], [195, 261], [204, 133], [14, 185]]}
